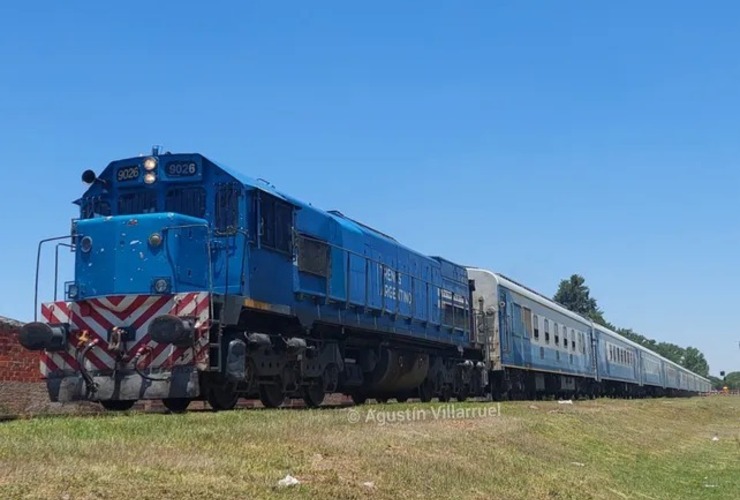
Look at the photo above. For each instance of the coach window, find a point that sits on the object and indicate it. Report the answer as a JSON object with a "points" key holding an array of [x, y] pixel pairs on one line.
{"points": [[536, 321], [565, 337], [555, 331], [573, 339], [527, 321], [547, 331]]}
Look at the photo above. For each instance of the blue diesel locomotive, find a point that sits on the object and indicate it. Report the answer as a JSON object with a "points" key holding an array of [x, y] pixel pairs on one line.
{"points": [[194, 282]]}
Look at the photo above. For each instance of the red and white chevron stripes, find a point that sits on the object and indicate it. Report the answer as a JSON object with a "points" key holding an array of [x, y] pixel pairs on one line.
{"points": [[92, 319]]}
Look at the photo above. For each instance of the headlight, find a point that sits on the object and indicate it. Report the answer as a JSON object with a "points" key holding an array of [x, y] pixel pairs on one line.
{"points": [[150, 164], [150, 177], [86, 244]]}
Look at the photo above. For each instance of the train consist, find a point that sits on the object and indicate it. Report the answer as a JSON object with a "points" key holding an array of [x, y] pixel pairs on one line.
{"points": [[193, 282]]}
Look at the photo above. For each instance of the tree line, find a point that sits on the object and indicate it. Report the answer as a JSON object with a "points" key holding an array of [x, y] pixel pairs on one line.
{"points": [[576, 296]]}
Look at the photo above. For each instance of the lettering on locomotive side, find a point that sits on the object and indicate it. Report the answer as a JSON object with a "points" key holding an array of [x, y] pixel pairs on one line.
{"points": [[392, 287]]}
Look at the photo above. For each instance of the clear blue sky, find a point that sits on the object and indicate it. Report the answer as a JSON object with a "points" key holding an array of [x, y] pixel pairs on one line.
{"points": [[539, 139]]}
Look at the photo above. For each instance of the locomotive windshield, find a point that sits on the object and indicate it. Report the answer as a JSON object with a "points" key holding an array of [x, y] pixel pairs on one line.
{"points": [[185, 200], [141, 202]]}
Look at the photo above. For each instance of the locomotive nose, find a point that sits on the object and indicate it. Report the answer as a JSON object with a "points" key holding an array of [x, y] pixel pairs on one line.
{"points": [[37, 336]]}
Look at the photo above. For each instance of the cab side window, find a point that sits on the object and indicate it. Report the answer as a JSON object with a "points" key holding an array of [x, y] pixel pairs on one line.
{"points": [[276, 223], [227, 209]]}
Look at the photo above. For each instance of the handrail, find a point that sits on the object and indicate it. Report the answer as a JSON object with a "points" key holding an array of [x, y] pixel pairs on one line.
{"points": [[56, 266], [38, 266]]}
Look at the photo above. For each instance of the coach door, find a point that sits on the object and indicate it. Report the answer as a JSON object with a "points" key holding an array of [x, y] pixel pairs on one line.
{"points": [[594, 353], [504, 312]]}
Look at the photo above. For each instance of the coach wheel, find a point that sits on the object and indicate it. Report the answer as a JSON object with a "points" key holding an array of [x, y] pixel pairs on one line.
{"points": [[313, 395], [222, 397], [382, 400], [272, 395], [176, 405], [402, 399], [117, 404], [426, 391], [359, 398]]}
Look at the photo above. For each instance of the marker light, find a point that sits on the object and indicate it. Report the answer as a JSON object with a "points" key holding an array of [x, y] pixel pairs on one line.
{"points": [[150, 164], [86, 244], [150, 178], [155, 239], [73, 291], [161, 286]]}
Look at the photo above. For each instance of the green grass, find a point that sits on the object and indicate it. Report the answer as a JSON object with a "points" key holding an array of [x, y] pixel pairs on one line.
{"points": [[591, 449]]}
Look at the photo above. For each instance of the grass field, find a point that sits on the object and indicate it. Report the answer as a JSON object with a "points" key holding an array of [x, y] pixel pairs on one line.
{"points": [[592, 449]]}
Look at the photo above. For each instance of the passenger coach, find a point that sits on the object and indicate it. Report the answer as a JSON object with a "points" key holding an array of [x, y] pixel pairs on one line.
{"points": [[538, 347]]}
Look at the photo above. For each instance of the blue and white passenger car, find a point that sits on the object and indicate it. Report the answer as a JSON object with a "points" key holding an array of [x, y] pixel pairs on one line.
{"points": [[535, 347]]}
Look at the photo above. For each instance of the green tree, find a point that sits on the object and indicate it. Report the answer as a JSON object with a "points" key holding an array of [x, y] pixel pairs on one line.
{"points": [[670, 351], [732, 380], [694, 360], [575, 295]]}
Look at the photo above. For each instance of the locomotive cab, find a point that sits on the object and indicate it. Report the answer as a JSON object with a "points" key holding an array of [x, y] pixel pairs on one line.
{"points": [[157, 237]]}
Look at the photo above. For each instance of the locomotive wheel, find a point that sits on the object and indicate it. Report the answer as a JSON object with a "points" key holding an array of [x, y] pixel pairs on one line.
{"points": [[445, 394], [222, 397], [176, 405], [358, 398], [426, 391], [463, 394], [117, 404], [382, 400], [272, 395], [402, 399], [313, 395]]}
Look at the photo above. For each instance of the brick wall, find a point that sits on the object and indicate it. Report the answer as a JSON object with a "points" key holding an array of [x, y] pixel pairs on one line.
{"points": [[21, 388], [16, 363]]}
